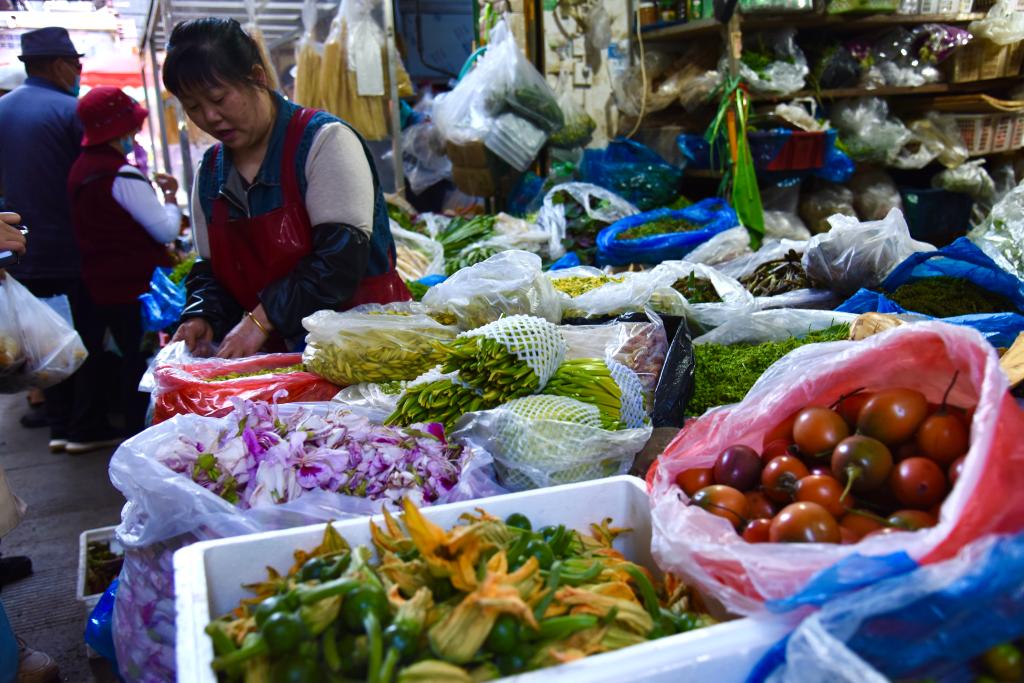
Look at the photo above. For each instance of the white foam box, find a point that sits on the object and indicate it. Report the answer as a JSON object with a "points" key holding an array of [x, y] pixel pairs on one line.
{"points": [[208, 579], [89, 536]]}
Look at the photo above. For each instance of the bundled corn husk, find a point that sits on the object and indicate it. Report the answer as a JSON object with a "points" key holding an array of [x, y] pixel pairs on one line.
{"points": [[308, 60]]}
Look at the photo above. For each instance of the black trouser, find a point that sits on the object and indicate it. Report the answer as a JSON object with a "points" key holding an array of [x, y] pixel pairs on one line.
{"points": [[75, 408], [125, 324]]}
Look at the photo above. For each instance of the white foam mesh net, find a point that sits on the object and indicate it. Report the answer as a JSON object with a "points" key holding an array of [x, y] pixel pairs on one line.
{"points": [[534, 341], [631, 410]]}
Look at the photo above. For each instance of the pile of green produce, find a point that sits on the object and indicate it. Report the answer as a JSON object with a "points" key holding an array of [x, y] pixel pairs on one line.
{"points": [[589, 380], [102, 566], [574, 133], [724, 374], [697, 290], [782, 275], [484, 600], [416, 289], [578, 285], [470, 256], [181, 271], [461, 233], [580, 227], [283, 370], [660, 226], [443, 401], [947, 297]]}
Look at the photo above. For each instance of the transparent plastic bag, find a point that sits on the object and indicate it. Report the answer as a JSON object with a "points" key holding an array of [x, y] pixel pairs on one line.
{"points": [[592, 208], [544, 441], [772, 250], [854, 255], [784, 225], [970, 179], [166, 511], [374, 343], [827, 200], [772, 63], [424, 159], [514, 139], [874, 194], [1001, 235], [1003, 25], [38, 348], [417, 255], [579, 126], [734, 299], [776, 325], [927, 624], [508, 283], [705, 550], [868, 131], [722, 248], [371, 400], [623, 293]]}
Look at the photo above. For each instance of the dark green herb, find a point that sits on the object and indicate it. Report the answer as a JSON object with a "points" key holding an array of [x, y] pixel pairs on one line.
{"points": [[946, 297], [575, 133], [462, 232], [724, 374], [697, 290], [417, 289], [778, 277], [660, 226], [102, 566]]}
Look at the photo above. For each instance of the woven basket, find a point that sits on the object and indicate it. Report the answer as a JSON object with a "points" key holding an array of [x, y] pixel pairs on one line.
{"points": [[982, 60]]}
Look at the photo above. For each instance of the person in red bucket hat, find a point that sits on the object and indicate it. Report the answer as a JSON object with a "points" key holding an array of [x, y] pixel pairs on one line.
{"points": [[122, 230]]}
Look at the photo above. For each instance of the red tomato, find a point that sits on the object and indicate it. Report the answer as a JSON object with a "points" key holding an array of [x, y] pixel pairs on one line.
{"points": [[862, 462], [943, 437], [757, 531], [825, 491], [892, 415], [804, 523], [819, 430], [955, 470], [846, 536], [725, 502], [779, 478], [693, 480], [859, 525], [759, 505], [911, 520], [907, 450], [739, 467], [783, 430], [884, 531], [775, 449], [918, 483], [850, 405]]}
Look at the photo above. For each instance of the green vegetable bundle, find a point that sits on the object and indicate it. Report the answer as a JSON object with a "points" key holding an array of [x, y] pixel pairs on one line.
{"points": [[590, 380], [508, 358], [482, 600], [463, 232], [373, 343], [470, 256], [443, 400]]}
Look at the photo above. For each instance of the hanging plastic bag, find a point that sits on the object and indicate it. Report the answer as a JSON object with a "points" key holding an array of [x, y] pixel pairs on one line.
{"points": [[374, 343], [724, 247], [867, 131], [1003, 25], [634, 172], [689, 290], [417, 255], [38, 348], [166, 510], [874, 194], [578, 127], [617, 246], [827, 200], [927, 624], [854, 255], [1001, 235], [424, 159], [209, 386], [509, 283], [308, 60], [252, 27], [772, 63], [706, 551], [574, 213]]}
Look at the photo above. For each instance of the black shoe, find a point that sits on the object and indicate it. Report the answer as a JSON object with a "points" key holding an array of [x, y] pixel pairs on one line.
{"points": [[14, 568], [35, 417]]}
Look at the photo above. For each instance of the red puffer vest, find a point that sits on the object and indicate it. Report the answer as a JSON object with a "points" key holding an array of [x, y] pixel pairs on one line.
{"points": [[118, 255]]}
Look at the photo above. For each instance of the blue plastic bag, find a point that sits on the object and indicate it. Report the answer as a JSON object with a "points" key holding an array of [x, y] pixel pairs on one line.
{"points": [[98, 634], [570, 260], [163, 303], [634, 172], [929, 623], [712, 215]]}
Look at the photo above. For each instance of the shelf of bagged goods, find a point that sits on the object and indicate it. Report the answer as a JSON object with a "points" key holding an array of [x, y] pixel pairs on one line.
{"points": [[845, 22], [895, 91]]}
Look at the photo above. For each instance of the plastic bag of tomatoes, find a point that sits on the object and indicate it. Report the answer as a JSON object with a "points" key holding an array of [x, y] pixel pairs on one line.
{"points": [[843, 456]]}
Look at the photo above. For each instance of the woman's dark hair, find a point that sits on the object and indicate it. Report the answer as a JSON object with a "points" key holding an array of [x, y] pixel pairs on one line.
{"points": [[209, 52]]}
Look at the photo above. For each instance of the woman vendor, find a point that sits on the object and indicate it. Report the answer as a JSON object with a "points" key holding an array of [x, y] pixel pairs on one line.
{"points": [[287, 211]]}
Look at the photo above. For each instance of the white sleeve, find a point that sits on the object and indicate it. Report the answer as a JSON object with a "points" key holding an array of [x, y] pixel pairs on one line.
{"points": [[339, 180], [199, 234], [161, 221]]}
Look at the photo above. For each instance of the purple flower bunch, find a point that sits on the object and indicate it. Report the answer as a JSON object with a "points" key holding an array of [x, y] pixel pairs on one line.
{"points": [[256, 457]]}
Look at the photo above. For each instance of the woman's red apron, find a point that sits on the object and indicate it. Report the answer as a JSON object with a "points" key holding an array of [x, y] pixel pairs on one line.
{"points": [[248, 254]]}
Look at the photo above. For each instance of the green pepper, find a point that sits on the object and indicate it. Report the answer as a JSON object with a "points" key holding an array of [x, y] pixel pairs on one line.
{"points": [[307, 595], [335, 569], [371, 624], [356, 653], [542, 551], [579, 578], [360, 603], [403, 636], [517, 550], [519, 521], [253, 646], [311, 570], [283, 632], [548, 532], [504, 635], [271, 605], [557, 628], [329, 645], [296, 670], [513, 662], [690, 621], [554, 578]]}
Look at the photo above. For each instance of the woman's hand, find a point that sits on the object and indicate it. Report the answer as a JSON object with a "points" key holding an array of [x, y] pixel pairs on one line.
{"points": [[197, 333], [244, 340], [11, 238], [168, 184]]}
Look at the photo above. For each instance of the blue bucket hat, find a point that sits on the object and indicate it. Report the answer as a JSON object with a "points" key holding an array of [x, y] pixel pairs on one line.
{"points": [[52, 41]]}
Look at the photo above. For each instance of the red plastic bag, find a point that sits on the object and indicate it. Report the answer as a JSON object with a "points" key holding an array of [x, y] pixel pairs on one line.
{"points": [[986, 499], [186, 388]]}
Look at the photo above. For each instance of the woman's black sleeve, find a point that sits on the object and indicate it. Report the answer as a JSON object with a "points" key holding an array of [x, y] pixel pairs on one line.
{"points": [[324, 279], [207, 298]]}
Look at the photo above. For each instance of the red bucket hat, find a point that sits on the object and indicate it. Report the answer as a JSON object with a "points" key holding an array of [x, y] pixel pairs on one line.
{"points": [[108, 113]]}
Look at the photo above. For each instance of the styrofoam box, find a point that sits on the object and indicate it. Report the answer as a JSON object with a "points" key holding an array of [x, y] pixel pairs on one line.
{"points": [[88, 536], [208, 579]]}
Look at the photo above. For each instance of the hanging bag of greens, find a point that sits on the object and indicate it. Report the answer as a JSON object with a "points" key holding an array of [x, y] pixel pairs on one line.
{"points": [[633, 171], [663, 234]]}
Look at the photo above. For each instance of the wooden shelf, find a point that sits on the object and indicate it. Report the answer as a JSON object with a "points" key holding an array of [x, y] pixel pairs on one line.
{"points": [[709, 27], [892, 91]]}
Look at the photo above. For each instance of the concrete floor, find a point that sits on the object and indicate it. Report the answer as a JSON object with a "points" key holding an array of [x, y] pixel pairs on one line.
{"points": [[66, 495]]}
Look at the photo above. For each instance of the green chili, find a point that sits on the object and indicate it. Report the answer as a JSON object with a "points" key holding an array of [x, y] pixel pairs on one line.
{"points": [[330, 648], [557, 628], [647, 592]]}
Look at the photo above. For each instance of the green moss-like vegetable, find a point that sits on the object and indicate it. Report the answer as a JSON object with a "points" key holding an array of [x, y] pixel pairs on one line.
{"points": [[660, 226], [697, 290], [724, 374], [946, 297]]}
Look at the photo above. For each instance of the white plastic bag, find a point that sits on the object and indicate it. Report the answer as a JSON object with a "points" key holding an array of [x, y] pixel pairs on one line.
{"points": [[784, 225], [1001, 235], [867, 130], [970, 179], [509, 283], [941, 137], [598, 204], [853, 255], [726, 246], [417, 255], [38, 348], [874, 194], [785, 75], [772, 250], [371, 400], [818, 205], [735, 299], [624, 293], [1004, 24], [424, 159], [706, 551], [775, 325]]}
